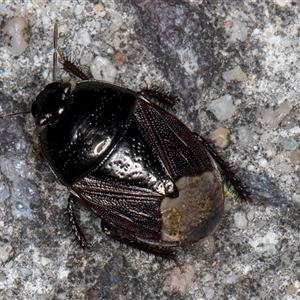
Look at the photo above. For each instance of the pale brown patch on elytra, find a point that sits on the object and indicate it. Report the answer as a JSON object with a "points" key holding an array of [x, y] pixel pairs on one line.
{"points": [[196, 212]]}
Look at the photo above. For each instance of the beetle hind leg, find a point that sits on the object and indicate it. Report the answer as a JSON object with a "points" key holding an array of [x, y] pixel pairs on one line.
{"points": [[162, 252], [159, 96], [237, 185], [79, 236]]}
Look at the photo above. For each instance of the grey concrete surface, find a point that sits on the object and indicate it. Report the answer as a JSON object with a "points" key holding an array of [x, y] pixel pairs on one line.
{"points": [[234, 64]]}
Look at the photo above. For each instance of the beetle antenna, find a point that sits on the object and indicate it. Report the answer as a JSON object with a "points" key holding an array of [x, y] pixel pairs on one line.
{"points": [[15, 114], [55, 34]]}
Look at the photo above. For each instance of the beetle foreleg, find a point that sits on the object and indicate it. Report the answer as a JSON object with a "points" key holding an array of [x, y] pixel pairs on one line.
{"points": [[75, 227]]}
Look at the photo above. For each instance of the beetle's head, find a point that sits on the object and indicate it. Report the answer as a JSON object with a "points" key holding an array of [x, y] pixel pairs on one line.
{"points": [[50, 102]]}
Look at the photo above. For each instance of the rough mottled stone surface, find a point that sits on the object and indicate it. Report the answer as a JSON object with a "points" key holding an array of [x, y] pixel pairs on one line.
{"points": [[200, 51]]}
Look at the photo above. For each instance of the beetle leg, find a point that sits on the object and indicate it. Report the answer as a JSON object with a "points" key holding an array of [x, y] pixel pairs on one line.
{"points": [[237, 185], [115, 234], [68, 66], [75, 227], [161, 97]]}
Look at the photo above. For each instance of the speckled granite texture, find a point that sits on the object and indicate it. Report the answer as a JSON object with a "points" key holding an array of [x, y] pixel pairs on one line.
{"points": [[234, 64]]}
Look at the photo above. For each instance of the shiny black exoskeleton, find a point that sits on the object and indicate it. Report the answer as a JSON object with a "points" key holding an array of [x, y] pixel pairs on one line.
{"points": [[153, 182], [143, 172]]}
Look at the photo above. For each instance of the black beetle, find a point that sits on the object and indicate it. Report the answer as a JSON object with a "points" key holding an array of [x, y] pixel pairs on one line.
{"points": [[153, 183]]}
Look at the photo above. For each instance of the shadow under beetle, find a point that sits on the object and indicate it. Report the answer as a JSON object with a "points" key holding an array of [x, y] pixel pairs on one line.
{"points": [[153, 183]]}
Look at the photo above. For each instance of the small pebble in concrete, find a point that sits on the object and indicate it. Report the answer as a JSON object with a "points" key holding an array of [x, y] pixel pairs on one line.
{"points": [[250, 215], [290, 289], [100, 10], [295, 157], [263, 163], [236, 74], [289, 144], [284, 168], [265, 244], [175, 281], [24, 272], [209, 292], [240, 220], [6, 252], [221, 137], [118, 59], [236, 30], [103, 69], [84, 37], [222, 107], [296, 199], [15, 35], [273, 117]]}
